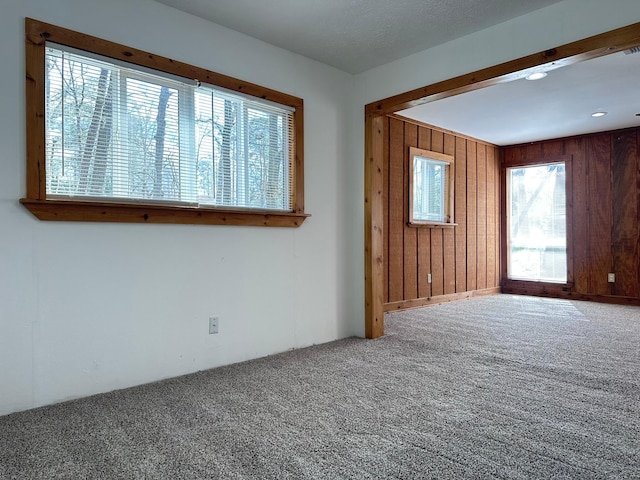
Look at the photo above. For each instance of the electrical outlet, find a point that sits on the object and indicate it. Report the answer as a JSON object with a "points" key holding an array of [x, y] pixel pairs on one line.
{"points": [[428, 278], [611, 278], [214, 323]]}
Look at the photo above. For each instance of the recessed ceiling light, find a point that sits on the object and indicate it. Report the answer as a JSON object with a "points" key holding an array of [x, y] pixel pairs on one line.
{"points": [[536, 76], [598, 114]]}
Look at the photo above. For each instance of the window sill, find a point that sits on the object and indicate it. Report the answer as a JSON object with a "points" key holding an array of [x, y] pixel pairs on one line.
{"points": [[432, 224], [75, 211]]}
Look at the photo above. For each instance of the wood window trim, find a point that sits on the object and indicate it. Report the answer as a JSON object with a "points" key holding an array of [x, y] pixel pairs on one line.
{"points": [[420, 224], [567, 160], [36, 34], [612, 41], [449, 193]]}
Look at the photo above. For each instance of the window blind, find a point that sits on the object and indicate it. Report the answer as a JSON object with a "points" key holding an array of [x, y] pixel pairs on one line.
{"points": [[121, 133]]}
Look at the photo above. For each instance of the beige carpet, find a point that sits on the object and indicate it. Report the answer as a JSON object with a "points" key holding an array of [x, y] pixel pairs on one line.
{"points": [[495, 387]]}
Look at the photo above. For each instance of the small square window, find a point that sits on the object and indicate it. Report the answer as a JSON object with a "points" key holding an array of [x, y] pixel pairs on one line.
{"points": [[430, 187]]}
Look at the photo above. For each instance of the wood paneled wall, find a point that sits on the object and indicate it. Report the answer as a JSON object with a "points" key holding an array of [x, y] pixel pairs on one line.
{"points": [[462, 260], [604, 199]]}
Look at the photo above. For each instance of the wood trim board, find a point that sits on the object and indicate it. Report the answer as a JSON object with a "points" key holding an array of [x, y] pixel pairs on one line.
{"points": [[609, 42]]}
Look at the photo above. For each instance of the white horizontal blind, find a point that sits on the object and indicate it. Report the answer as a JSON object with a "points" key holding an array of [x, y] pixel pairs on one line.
{"points": [[116, 133]]}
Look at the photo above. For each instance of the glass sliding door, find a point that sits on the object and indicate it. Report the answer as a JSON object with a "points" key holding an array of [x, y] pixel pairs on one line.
{"points": [[537, 223]]}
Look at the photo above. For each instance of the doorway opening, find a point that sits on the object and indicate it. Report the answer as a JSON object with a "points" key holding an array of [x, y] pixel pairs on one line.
{"points": [[377, 138]]}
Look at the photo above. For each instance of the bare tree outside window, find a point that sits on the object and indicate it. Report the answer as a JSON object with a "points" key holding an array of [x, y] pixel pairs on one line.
{"points": [[151, 136]]}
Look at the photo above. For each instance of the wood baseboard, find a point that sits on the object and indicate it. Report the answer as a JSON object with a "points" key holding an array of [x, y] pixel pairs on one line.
{"points": [[567, 295], [423, 302]]}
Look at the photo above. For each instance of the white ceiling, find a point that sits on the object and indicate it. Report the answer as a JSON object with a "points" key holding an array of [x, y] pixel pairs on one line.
{"points": [[559, 105], [357, 35]]}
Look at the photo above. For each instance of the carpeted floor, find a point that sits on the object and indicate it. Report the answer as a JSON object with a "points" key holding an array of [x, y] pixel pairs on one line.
{"points": [[494, 387]]}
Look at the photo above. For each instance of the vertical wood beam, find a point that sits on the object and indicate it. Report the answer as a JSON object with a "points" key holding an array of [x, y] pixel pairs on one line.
{"points": [[375, 132], [298, 187], [35, 66], [395, 212]]}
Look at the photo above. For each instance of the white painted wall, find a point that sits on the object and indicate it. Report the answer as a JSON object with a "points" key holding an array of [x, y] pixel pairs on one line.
{"points": [[560, 23], [549, 27], [88, 308]]}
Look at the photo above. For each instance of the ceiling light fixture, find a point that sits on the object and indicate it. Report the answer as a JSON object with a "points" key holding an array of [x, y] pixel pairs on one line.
{"points": [[598, 114], [536, 76]]}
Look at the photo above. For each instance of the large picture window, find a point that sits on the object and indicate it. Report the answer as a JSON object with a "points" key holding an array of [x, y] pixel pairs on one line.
{"points": [[537, 223], [151, 142]]}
